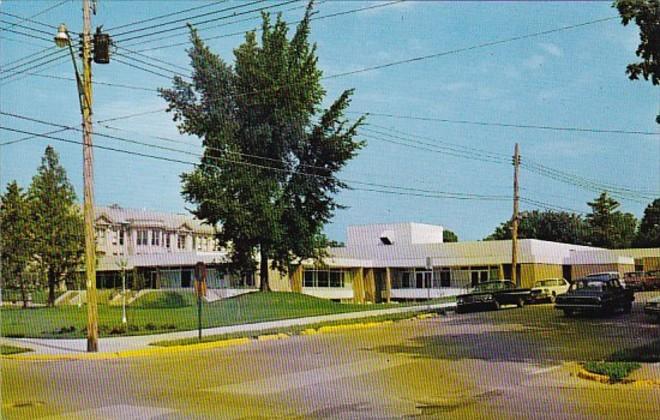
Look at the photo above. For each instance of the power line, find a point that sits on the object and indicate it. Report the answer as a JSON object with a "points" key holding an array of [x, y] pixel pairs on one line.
{"points": [[153, 58], [507, 125], [20, 41], [95, 82], [39, 73], [135, 66], [34, 60], [128, 57], [216, 26], [34, 67], [22, 139], [331, 15], [30, 19], [41, 38], [24, 19], [404, 190], [162, 31], [178, 12], [23, 27], [26, 57]]}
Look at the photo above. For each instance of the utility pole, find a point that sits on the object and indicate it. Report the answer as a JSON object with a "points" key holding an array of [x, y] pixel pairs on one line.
{"points": [[514, 220], [88, 178]]}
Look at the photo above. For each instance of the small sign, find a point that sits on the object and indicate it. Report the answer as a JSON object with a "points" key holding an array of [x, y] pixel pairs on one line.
{"points": [[200, 279]]}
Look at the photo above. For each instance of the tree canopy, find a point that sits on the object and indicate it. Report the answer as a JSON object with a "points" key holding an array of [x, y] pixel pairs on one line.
{"points": [[545, 225], [449, 236], [609, 227], [271, 153], [648, 235], [16, 241], [58, 240]]}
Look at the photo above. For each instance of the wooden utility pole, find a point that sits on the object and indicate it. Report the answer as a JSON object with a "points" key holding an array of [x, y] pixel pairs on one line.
{"points": [[88, 178], [514, 220]]}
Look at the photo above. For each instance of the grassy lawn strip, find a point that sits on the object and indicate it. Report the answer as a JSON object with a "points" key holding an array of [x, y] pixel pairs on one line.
{"points": [[648, 353], [616, 371], [293, 330], [172, 311], [6, 350]]}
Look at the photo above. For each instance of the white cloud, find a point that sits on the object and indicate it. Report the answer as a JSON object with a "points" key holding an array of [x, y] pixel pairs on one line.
{"points": [[534, 62], [552, 49]]}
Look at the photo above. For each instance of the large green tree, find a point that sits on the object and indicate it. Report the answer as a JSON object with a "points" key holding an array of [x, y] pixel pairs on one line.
{"points": [[646, 15], [59, 240], [271, 153], [545, 225], [449, 236], [609, 227], [16, 241], [648, 234]]}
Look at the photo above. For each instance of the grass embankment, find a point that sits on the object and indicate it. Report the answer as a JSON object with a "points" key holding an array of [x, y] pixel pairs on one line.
{"points": [[6, 350], [292, 330], [170, 311]]}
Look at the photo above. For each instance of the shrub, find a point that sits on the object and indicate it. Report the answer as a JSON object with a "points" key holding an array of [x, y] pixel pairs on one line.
{"points": [[617, 371], [150, 327], [134, 328], [119, 329]]}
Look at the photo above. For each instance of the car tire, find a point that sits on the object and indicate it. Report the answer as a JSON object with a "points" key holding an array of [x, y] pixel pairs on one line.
{"points": [[569, 313], [496, 305], [460, 310], [627, 308], [553, 297], [520, 303]]}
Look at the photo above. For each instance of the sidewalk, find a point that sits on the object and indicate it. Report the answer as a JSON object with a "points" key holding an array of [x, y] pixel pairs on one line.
{"points": [[116, 344]]}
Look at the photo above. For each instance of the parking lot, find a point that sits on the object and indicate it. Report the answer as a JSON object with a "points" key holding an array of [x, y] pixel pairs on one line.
{"points": [[503, 364]]}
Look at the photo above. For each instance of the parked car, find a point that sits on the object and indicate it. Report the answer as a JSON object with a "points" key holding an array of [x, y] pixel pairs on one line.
{"points": [[652, 280], [549, 289], [635, 280], [652, 308], [610, 274], [492, 295], [596, 293]]}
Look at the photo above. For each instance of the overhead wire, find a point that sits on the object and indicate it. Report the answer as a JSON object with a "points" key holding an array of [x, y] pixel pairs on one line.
{"points": [[383, 188], [178, 12], [30, 19]]}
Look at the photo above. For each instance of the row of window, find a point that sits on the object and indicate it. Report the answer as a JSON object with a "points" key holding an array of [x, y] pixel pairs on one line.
{"points": [[147, 237], [323, 278]]}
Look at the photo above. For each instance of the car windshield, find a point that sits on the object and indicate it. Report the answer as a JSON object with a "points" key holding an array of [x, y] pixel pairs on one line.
{"points": [[588, 284], [494, 285], [546, 283]]}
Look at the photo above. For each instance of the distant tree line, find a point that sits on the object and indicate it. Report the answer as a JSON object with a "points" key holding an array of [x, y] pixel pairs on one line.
{"points": [[42, 231], [606, 226]]}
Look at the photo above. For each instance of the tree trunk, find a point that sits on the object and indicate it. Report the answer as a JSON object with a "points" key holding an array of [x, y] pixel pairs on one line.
{"points": [[24, 295], [51, 288], [264, 284]]}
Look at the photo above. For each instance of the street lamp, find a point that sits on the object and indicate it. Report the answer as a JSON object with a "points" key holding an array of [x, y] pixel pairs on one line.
{"points": [[62, 38]]}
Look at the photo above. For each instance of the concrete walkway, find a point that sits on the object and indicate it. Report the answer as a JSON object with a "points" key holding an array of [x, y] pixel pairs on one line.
{"points": [[116, 344]]}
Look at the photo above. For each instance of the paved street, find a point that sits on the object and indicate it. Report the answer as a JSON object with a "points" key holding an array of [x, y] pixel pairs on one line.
{"points": [[487, 365]]}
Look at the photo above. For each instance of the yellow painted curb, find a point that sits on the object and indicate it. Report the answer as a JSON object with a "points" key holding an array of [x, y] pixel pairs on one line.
{"points": [[590, 376], [269, 337], [426, 316], [151, 351], [309, 331], [356, 326]]}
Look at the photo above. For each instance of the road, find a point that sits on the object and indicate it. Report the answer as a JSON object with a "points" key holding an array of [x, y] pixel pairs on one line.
{"points": [[506, 364]]}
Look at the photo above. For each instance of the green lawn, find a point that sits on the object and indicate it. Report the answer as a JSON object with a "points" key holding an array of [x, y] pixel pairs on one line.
{"points": [[149, 316]]}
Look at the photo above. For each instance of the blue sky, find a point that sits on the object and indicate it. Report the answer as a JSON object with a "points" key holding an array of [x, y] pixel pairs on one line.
{"points": [[573, 78]]}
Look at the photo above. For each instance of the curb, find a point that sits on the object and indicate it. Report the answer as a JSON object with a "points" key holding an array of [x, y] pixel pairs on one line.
{"points": [[129, 353], [594, 377]]}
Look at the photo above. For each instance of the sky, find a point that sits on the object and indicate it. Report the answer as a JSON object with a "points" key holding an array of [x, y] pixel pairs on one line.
{"points": [[572, 78]]}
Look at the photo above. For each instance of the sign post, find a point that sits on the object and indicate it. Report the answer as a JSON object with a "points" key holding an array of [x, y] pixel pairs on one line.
{"points": [[200, 291]]}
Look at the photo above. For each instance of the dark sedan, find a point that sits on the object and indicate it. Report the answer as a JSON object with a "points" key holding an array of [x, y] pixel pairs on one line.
{"points": [[492, 295], [597, 294]]}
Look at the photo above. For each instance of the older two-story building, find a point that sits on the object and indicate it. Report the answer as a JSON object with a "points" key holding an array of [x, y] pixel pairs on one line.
{"points": [[158, 250]]}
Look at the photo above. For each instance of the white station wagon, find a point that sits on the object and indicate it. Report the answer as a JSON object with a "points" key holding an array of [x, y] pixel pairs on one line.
{"points": [[548, 289]]}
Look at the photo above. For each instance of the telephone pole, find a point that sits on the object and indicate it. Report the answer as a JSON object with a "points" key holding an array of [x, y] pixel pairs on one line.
{"points": [[514, 220], [88, 177]]}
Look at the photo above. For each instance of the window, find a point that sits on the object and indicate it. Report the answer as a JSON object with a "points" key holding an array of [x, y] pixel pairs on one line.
{"points": [[142, 237], [121, 237], [323, 278], [155, 238], [115, 235], [180, 241], [167, 240]]}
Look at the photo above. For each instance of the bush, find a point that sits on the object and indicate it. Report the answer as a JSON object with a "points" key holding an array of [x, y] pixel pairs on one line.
{"points": [[119, 329], [150, 326], [134, 328], [617, 371]]}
